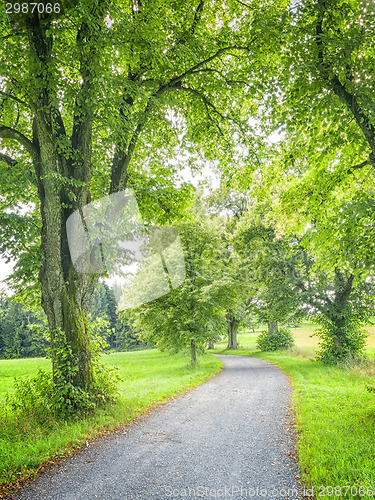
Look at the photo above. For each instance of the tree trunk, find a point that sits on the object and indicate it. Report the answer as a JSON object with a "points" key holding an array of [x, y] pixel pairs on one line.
{"points": [[339, 314], [63, 177], [193, 352], [211, 344], [66, 294], [65, 299], [232, 323], [273, 327]]}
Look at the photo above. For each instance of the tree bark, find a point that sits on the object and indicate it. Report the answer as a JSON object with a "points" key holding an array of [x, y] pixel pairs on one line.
{"points": [[66, 294], [273, 327], [337, 310], [232, 323], [193, 352]]}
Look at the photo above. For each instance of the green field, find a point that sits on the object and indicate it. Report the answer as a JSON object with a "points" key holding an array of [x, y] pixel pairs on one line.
{"points": [[304, 339], [148, 377], [335, 415]]}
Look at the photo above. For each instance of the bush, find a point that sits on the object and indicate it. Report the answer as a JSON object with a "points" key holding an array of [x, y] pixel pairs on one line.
{"points": [[48, 396], [283, 339], [346, 343], [33, 397]]}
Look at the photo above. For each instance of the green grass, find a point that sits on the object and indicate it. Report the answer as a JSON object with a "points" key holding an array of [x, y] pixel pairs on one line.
{"points": [[15, 368], [148, 378], [303, 337], [335, 417], [335, 414]]}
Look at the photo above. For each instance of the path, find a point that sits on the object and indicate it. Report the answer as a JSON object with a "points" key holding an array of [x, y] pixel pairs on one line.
{"points": [[227, 438]]}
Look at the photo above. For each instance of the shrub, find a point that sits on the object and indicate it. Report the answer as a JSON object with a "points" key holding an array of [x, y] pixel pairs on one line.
{"points": [[283, 339], [47, 396], [338, 344]]}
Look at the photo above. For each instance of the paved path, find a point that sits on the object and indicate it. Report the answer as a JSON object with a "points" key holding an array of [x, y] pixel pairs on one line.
{"points": [[228, 438]]}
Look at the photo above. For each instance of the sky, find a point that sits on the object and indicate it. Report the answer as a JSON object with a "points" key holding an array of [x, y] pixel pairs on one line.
{"points": [[5, 269]]}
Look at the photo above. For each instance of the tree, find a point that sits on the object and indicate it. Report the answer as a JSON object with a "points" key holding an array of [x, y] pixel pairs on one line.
{"points": [[21, 334], [229, 206], [319, 94], [118, 333], [270, 263], [341, 302], [320, 97], [103, 304], [87, 100], [188, 315]]}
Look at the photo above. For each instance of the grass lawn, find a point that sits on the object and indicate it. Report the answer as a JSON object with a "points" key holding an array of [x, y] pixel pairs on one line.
{"points": [[335, 416], [148, 377], [303, 338]]}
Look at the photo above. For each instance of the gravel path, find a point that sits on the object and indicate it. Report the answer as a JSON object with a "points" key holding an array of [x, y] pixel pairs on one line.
{"points": [[228, 438]]}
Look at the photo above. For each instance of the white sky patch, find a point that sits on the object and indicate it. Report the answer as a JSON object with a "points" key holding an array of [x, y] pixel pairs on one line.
{"points": [[5, 270]]}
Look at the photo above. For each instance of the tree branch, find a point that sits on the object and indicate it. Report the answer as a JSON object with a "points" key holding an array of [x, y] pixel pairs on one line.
{"points": [[213, 70], [338, 88], [206, 101], [7, 159], [177, 79], [182, 39], [244, 4], [369, 161], [197, 17], [123, 154], [351, 102], [11, 133], [10, 96], [15, 33], [121, 158], [208, 104]]}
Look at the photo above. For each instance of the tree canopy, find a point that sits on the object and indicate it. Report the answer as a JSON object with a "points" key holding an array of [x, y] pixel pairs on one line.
{"points": [[104, 96]]}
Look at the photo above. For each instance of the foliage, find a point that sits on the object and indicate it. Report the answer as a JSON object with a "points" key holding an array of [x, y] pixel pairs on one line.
{"points": [[127, 338], [68, 398], [317, 109], [229, 207], [103, 304], [271, 262], [319, 97], [117, 331], [48, 395], [342, 304], [21, 331], [275, 340], [344, 343], [189, 315]]}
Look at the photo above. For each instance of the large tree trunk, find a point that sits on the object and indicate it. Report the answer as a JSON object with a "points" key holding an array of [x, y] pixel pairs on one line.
{"points": [[232, 323], [68, 325], [66, 294], [273, 327], [64, 177], [338, 313]]}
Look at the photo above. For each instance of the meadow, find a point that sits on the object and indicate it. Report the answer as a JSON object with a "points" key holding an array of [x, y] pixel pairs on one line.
{"points": [[148, 378], [334, 411], [334, 415]]}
